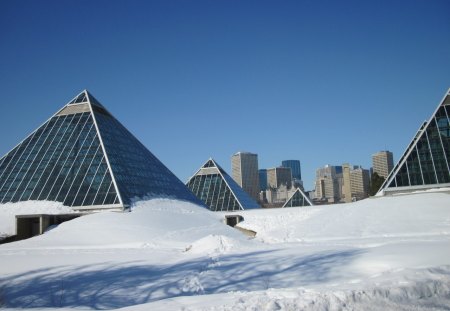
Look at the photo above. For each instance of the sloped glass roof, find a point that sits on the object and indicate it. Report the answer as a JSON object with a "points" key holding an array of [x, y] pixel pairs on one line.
{"points": [[81, 98], [84, 157], [218, 190], [298, 198], [426, 161]]}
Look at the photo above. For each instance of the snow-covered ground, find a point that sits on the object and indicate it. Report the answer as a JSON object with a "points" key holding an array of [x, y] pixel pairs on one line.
{"points": [[387, 253]]}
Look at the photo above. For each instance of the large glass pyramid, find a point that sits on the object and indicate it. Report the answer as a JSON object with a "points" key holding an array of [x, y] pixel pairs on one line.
{"points": [[426, 161], [214, 187], [298, 198], [82, 156]]}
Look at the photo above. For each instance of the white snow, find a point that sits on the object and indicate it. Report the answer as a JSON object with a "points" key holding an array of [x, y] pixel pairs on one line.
{"points": [[386, 253]]}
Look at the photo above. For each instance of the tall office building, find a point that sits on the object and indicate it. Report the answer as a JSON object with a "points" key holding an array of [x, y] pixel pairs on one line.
{"points": [[85, 158], [244, 169], [426, 162], [346, 183], [262, 179], [383, 163], [355, 184], [329, 183], [296, 170], [278, 176], [360, 180]]}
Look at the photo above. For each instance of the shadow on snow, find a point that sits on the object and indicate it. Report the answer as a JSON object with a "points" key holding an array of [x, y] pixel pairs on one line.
{"points": [[112, 285]]}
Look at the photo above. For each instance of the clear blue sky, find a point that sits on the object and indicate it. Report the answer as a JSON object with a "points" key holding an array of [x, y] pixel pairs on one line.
{"points": [[325, 82]]}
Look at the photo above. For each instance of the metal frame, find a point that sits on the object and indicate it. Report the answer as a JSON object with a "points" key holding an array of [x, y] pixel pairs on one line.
{"points": [[113, 178], [34, 173], [81, 146], [59, 157]]}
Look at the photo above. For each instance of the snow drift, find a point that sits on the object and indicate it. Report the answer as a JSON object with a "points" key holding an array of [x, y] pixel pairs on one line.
{"points": [[376, 254]]}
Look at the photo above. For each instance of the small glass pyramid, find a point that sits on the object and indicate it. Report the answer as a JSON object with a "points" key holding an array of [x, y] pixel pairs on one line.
{"points": [[215, 188], [298, 198]]}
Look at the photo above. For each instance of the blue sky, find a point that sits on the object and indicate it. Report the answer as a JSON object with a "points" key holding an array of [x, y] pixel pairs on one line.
{"points": [[325, 82]]}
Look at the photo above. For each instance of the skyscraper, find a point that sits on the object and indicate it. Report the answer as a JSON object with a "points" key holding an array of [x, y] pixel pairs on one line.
{"points": [[278, 176], [346, 183], [262, 179], [295, 167], [360, 180], [355, 184], [83, 157], [426, 162], [329, 183], [383, 163], [244, 168]]}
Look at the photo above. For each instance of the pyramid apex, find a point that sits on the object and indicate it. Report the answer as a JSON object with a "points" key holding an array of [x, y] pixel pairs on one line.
{"points": [[82, 97]]}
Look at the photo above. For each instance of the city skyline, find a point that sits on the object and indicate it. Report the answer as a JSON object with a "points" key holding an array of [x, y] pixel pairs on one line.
{"points": [[337, 81]]}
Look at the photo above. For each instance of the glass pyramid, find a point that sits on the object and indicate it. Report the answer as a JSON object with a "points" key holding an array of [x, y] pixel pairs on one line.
{"points": [[214, 187], [82, 156], [426, 161], [298, 198]]}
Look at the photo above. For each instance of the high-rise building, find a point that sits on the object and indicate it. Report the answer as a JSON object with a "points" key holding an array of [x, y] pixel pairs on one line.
{"points": [[329, 183], [262, 179], [383, 163], [355, 184], [346, 183], [426, 162], [244, 169], [360, 180], [278, 176], [83, 157], [296, 170], [212, 185]]}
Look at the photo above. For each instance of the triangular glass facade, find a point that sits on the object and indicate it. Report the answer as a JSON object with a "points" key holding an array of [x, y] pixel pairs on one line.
{"points": [[298, 198], [83, 157], [214, 187], [426, 161]]}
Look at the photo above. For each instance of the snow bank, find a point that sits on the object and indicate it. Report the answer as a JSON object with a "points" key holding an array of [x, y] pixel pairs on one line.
{"points": [[400, 217], [8, 212]]}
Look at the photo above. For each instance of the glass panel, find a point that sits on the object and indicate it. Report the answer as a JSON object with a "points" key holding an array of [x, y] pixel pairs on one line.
{"points": [[62, 161], [31, 165], [137, 171], [402, 177], [414, 170], [57, 169], [426, 161], [103, 189], [15, 171]]}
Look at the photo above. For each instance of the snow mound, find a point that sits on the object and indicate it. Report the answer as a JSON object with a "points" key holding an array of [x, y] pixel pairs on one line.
{"points": [[154, 223], [8, 212]]}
